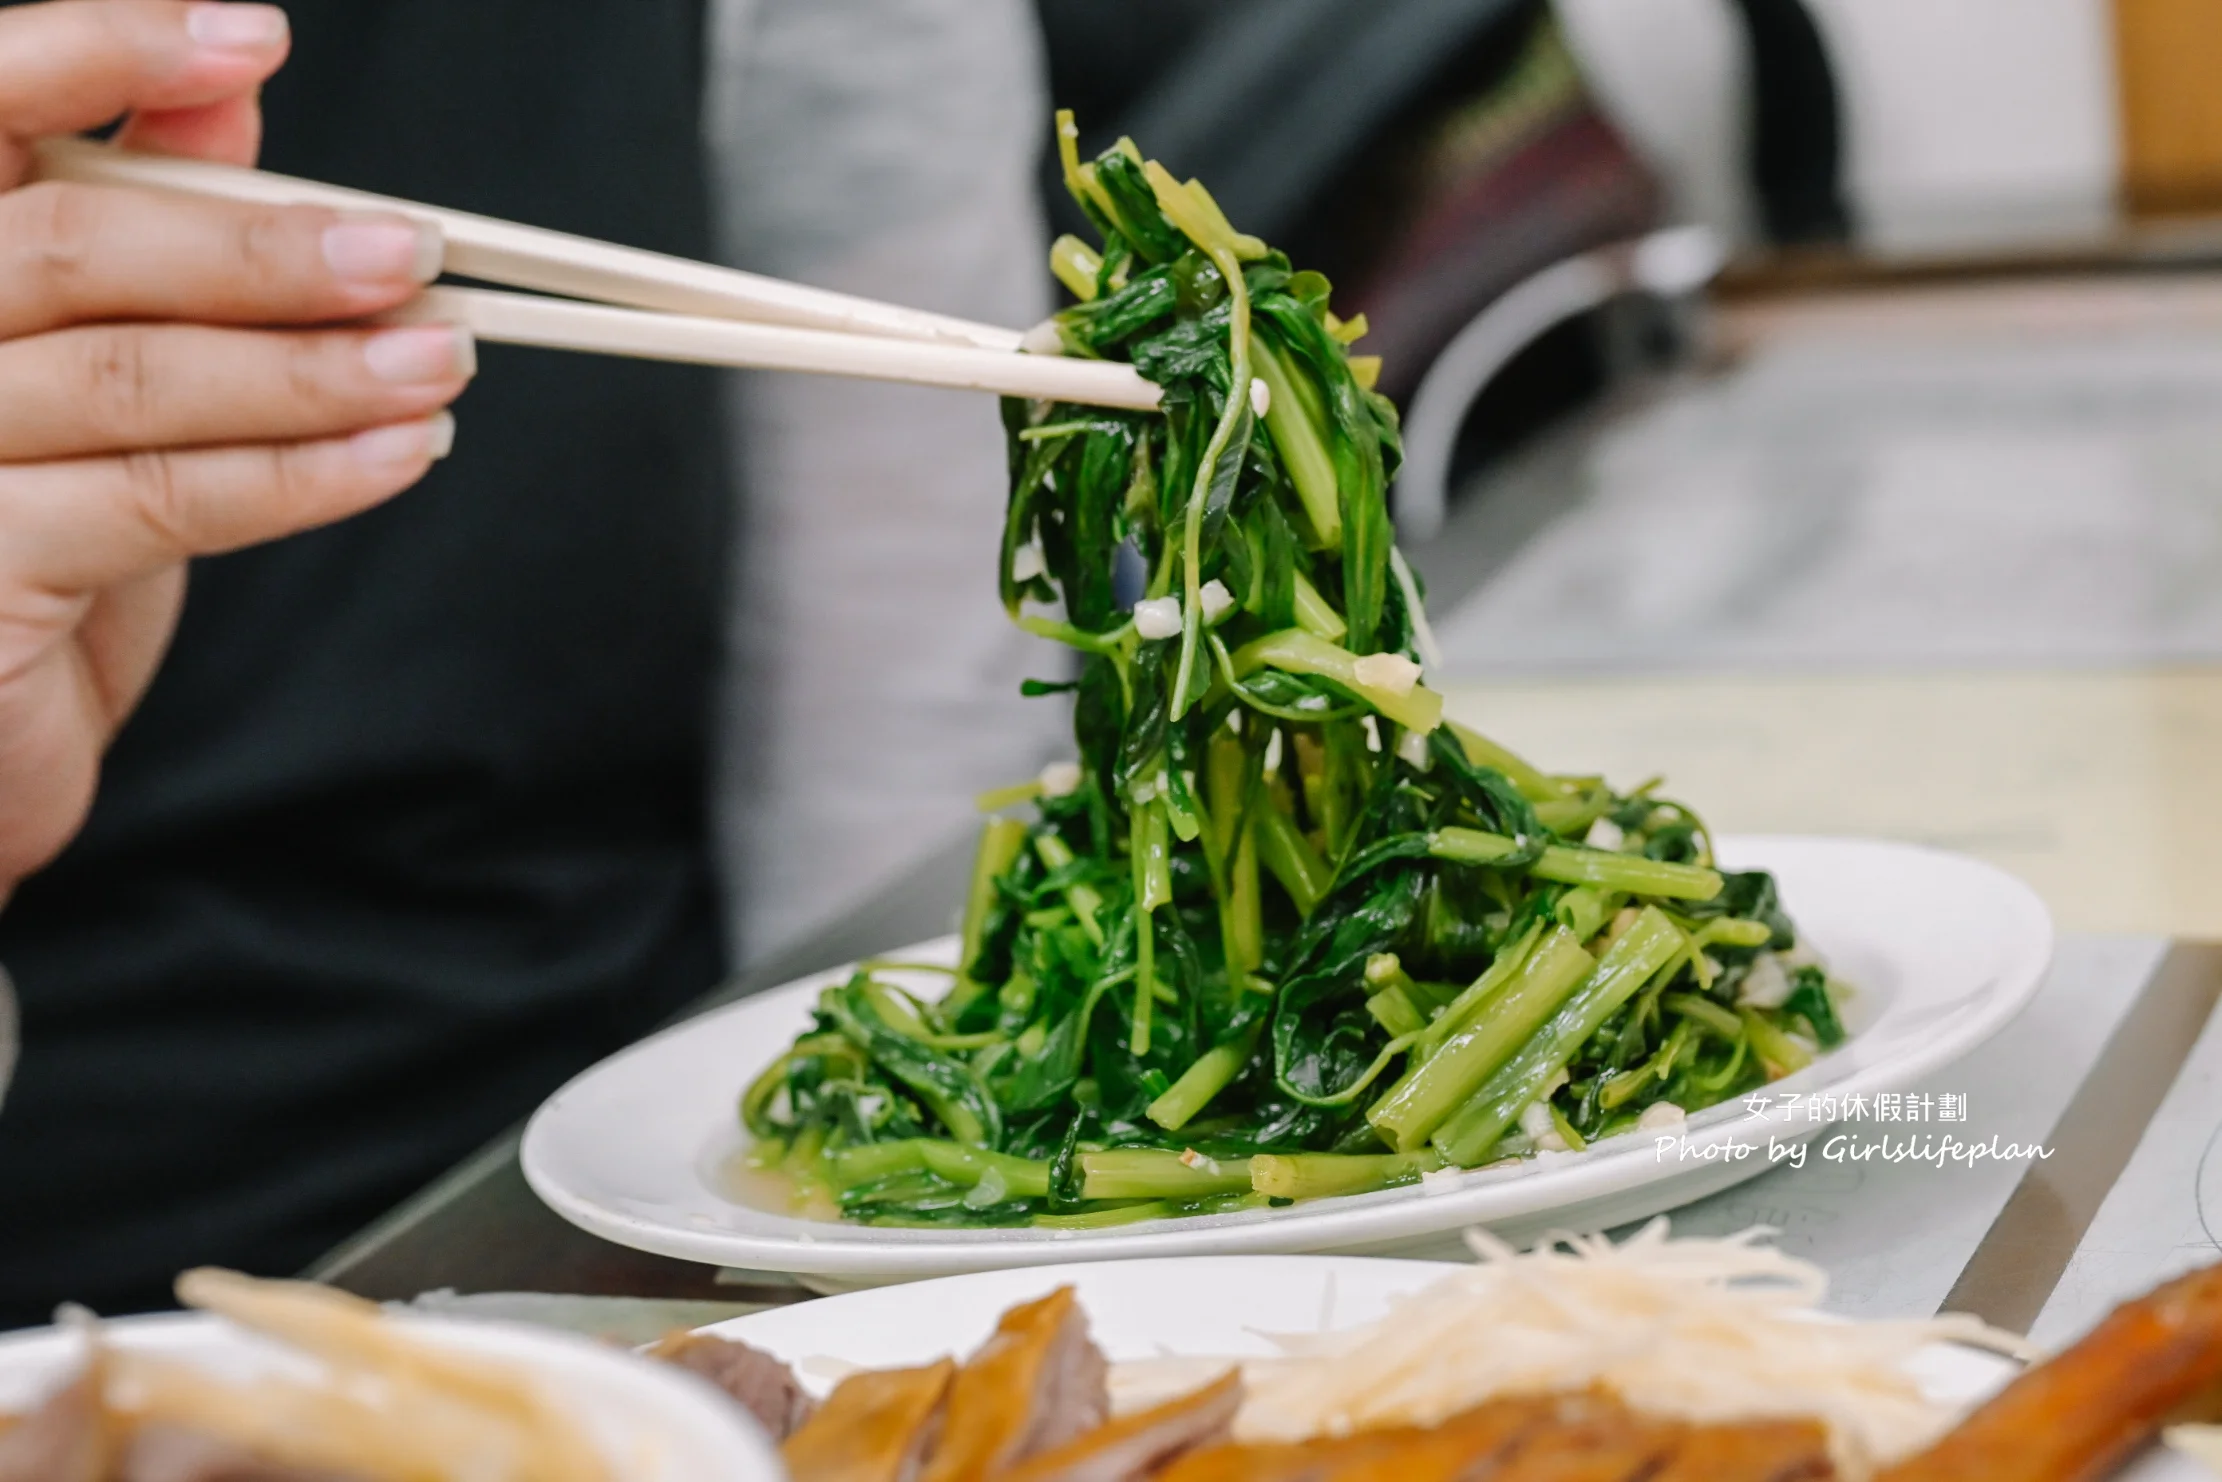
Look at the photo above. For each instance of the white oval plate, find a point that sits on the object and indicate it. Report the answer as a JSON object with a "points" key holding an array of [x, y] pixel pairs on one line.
{"points": [[1942, 950], [1200, 1307], [653, 1422]]}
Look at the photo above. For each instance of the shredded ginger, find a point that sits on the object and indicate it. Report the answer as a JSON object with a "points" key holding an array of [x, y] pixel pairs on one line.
{"points": [[1706, 1330]]}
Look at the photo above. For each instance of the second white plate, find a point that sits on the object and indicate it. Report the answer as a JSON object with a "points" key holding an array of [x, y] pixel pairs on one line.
{"points": [[652, 1422], [1200, 1307], [1943, 951]]}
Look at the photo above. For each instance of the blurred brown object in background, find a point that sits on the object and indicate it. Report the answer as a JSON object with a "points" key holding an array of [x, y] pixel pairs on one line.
{"points": [[2167, 56]]}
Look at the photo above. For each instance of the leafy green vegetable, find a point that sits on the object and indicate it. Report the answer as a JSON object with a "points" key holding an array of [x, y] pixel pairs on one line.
{"points": [[1288, 934], [1809, 1000]]}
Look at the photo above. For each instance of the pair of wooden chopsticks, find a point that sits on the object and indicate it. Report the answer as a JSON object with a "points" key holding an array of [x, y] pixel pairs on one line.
{"points": [[623, 301]]}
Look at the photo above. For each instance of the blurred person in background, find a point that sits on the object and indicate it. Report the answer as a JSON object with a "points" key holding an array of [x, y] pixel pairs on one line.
{"points": [[884, 148], [414, 818]]}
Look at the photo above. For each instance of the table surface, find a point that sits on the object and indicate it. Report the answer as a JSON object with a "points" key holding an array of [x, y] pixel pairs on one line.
{"points": [[1950, 571]]}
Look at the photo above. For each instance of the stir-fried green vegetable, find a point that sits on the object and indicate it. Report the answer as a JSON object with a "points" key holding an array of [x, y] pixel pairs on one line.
{"points": [[1283, 932]]}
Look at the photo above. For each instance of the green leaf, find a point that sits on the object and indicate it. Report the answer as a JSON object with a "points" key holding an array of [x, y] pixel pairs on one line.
{"points": [[1809, 999]]}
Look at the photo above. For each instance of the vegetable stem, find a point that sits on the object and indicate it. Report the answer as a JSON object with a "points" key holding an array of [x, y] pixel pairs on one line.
{"points": [[1460, 1011], [1320, 1175], [1234, 854], [1245, 942], [1076, 265], [1024, 1178], [1473, 1131], [1190, 209], [1206, 1078], [1777, 1051], [1303, 451], [1584, 910], [1423, 633], [1086, 901], [1704, 1011], [995, 800], [1395, 1012], [1533, 784], [1412, 1110], [869, 1162], [1571, 817], [1615, 1093], [1291, 858], [1000, 841], [1631, 873], [1315, 614], [1106, 1218], [1065, 633], [1295, 651], [1734, 931], [1153, 887], [1159, 1173]]}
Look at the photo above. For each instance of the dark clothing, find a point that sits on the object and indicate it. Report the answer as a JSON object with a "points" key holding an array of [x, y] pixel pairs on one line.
{"points": [[413, 824]]}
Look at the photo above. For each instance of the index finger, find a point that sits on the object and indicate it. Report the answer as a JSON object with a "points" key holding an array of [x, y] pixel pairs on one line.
{"points": [[70, 65]]}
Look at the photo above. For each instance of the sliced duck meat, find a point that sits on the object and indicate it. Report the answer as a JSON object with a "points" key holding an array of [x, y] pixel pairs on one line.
{"points": [[171, 1453], [65, 1439], [763, 1385], [1469, 1444], [1137, 1445], [1467, 1441], [876, 1426], [1251, 1461], [1590, 1438], [1037, 1383], [2083, 1412], [1757, 1451]]}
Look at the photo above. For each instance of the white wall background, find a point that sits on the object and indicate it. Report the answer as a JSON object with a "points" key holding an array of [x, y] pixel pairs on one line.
{"points": [[1976, 122], [1969, 124]]}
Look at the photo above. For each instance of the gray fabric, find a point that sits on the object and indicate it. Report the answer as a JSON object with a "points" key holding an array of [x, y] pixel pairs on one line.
{"points": [[886, 148]]}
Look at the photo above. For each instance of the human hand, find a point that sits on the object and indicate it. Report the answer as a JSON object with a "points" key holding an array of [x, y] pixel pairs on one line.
{"points": [[157, 399]]}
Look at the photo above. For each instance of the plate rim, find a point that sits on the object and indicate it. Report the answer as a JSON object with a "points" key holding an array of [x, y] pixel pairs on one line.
{"points": [[560, 1361], [2154, 1464], [1055, 1273], [749, 1327], [2023, 958]]}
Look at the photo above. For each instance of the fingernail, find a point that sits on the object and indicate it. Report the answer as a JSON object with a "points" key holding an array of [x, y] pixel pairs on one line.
{"points": [[405, 442], [421, 353], [383, 251], [236, 27]]}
